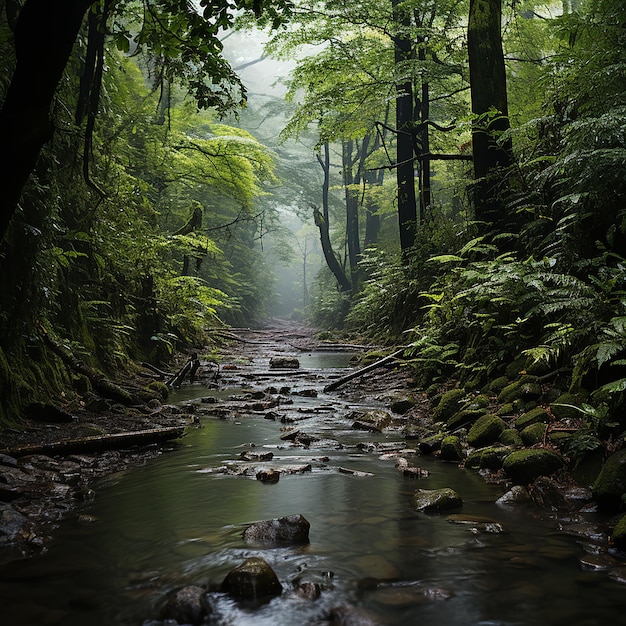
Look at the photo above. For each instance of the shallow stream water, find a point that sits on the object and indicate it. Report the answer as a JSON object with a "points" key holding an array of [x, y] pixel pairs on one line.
{"points": [[174, 521]]}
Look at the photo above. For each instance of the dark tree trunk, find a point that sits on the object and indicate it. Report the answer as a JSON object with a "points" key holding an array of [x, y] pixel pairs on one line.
{"points": [[44, 36], [322, 222], [425, 184], [372, 219], [489, 104], [405, 127], [350, 181]]}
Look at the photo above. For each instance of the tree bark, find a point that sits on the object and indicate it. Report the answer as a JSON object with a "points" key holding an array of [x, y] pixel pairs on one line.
{"points": [[489, 105], [350, 181], [44, 36], [405, 156]]}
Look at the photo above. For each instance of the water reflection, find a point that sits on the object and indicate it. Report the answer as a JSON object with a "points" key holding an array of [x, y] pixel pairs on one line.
{"points": [[169, 523]]}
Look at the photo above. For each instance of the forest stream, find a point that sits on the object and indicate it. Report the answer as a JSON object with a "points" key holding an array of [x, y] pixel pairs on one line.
{"points": [[178, 520]]}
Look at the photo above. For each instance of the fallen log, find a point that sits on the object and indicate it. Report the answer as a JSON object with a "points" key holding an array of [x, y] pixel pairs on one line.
{"points": [[158, 371], [98, 443], [364, 370]]}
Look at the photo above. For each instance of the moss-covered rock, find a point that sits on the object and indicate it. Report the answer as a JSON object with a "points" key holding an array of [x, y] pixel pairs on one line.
{"points": [[609, 489], [435, 500], [481, 401], [511, 437], [619, 534], [431, 444], [485, 431], [564, 406], [525, 466], [533, 434], [505, 410], [496, 385], [161, 388], [448, 405], [559, 438], [526, 388], [516, 367], [535, 416], [451, 449], [464, 418], [490, 458]]}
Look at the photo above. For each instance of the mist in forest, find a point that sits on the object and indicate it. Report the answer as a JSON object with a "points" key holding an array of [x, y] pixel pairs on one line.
{"points": [[291, 247]]}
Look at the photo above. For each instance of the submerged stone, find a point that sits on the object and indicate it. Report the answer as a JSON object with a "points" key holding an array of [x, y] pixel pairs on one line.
{"points": [[435, 500], [187, 606]]}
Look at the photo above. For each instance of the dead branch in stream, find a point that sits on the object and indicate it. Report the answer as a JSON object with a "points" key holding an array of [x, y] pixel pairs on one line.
{"points": [[97, 443], [364, 370]]}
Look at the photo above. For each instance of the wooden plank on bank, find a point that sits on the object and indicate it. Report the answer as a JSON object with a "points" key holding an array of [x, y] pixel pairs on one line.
{"points": [[98, 443]]}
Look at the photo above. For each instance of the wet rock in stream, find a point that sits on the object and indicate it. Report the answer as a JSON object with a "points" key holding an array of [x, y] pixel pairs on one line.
{"points": [[288, 530], [435, 500], [254, 579], [187, 606]]}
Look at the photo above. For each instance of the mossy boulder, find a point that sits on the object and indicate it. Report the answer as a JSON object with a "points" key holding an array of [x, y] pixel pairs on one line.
{"points": [[481, 401], [609, 488], [448, 405], [496, 385], [526, 388], [516, 367], [435, 500], [511, 437], [564, 407], [533, 434], [559, 438], [506, 409], [451, 449], [431, 444], [490, 458], [485, 431], [535, 416], [465, 418], [160, 388], [619, 535], [525, 466]]}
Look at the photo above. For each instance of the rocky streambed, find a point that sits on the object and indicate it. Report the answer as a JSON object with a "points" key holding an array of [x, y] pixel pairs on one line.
{"points": [[411, 456]]}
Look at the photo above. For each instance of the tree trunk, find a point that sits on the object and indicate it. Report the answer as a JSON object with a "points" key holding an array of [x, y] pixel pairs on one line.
{"points": [[350, 181], [407, 205], [44, 36], [425, 184], [372, 219], [322, 222], [489, 105]]}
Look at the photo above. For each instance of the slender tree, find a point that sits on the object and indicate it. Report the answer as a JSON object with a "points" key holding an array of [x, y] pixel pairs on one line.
{"points": [[489, 106]]}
